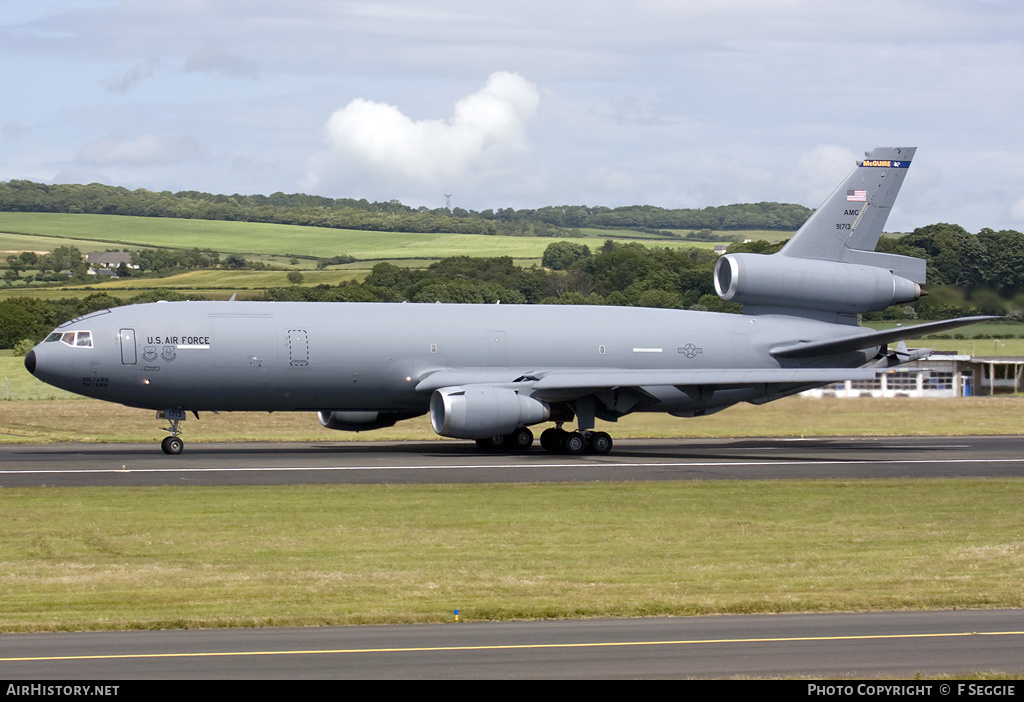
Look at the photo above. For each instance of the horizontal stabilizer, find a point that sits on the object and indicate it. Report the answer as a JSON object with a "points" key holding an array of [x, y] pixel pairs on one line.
{"points": [[869, 338]]}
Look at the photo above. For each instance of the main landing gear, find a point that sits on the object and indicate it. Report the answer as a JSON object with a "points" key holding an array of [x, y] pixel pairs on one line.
{"points": [[584, 440], [558, 440], [553, 440]]}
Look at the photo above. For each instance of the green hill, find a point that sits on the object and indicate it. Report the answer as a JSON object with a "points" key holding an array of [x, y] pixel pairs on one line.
{"points": [[29, 231]]}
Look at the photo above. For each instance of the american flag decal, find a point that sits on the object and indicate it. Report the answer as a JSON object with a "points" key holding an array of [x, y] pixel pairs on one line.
{"points": [[856, 195]]}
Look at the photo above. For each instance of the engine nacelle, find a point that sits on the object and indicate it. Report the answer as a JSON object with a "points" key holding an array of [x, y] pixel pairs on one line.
{"points": [[360, 420], [803, 283], [480, 412]]}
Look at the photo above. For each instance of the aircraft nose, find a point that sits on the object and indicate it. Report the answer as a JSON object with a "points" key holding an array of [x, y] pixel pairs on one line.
{"points": [[30, 362]]}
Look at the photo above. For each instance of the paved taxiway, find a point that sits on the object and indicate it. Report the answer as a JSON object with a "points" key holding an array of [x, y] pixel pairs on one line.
{"points": [[895, 645], [462, 462]]}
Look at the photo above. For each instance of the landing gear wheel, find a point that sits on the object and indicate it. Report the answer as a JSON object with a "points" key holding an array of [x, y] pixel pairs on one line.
{"points": [[493, 443], [172, 445], [600, 443], [551, 439], [520, 440], [574, 443]]}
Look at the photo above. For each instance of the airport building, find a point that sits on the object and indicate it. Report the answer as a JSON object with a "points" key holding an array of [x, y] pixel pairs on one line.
{"points": [[943, 374]]}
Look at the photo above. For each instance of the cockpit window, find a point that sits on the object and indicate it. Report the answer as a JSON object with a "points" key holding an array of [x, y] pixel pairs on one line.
{"points": [[79, 339]]}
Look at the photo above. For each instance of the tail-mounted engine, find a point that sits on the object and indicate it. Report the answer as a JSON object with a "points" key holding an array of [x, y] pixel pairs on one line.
{"points": [[786, 283]]}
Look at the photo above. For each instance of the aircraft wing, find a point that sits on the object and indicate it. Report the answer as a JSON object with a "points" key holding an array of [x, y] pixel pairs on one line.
{"points": [[580, 380], [869, 338]]}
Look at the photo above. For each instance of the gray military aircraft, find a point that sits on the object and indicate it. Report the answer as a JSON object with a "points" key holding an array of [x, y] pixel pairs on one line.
{"points": [[489, 372]]}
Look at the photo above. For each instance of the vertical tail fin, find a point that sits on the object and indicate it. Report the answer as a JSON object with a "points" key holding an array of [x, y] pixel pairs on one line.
{"points": [[829, 270], [847, 226]]}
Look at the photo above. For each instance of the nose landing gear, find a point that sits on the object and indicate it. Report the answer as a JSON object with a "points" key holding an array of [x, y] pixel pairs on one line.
{"points": [[172, 445]]}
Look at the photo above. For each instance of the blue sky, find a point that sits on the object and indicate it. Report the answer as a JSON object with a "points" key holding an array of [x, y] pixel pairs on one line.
{"points": [[522, 104]]}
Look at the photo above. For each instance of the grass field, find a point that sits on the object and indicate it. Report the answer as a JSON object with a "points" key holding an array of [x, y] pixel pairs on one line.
{"points": [[228, 280], [46, 231], [58, 420], [124, 558]]}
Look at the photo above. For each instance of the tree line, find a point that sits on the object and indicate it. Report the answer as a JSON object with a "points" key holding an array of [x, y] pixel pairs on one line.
{"points": [[968, 274], [391, 216]]}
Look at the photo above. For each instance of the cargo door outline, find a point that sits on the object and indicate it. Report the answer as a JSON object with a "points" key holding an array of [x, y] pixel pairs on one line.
{"points": [[298, 348]]}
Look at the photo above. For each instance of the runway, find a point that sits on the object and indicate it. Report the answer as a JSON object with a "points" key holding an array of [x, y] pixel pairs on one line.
{"points": [[823, 646], [462, 462], [890, 644]]}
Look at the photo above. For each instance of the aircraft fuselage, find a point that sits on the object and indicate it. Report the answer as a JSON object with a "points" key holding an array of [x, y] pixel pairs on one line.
{"points": [[283, 356]]}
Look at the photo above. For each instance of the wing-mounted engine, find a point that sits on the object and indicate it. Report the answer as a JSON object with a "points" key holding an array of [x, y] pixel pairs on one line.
{"points": [[361, 420], [483, 411], [767, 283]]}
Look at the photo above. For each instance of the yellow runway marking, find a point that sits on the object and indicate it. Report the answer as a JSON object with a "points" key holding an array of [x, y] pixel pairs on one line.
{"points": [[508, 647]]}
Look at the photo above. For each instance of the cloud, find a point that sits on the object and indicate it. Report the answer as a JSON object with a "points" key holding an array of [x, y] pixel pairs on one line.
{"points": [[145, 149], [487, 123], [819, 171], [139, 72], [15, 130], [672, 103], [212, 58]]}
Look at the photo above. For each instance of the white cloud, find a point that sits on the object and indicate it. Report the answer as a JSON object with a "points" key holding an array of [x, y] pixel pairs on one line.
{"points": [[490, 122]]}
